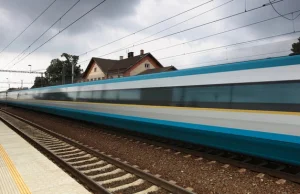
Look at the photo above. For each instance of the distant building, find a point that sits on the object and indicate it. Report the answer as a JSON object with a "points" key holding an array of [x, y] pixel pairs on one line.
{"points": [[99, 68]]}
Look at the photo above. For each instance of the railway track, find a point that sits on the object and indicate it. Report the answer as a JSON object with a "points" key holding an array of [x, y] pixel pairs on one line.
{"points": [[99, 172], [260, 165]]}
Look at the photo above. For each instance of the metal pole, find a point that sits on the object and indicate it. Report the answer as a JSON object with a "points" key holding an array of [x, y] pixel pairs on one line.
{"points": [[8, 83], [21, 84], [72, 73]]}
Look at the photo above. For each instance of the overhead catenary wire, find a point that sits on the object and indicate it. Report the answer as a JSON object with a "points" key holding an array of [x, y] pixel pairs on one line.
{"points": [[132, 44], [61, 31], [231, 59], [226, 31], [291, 19], [27, 26], [59, 19], [184, 21], [150, 26], [188, 29], [229, 45]]}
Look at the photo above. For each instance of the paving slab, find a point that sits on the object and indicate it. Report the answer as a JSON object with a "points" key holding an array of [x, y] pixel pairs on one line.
{"points": [[23, 169]]}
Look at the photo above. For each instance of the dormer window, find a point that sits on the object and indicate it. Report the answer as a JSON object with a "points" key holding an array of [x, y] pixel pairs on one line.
{"points": [[147, 65]]}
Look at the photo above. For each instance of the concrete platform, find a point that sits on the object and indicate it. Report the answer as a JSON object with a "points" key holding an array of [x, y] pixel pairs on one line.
{"points": [[23, 169]]}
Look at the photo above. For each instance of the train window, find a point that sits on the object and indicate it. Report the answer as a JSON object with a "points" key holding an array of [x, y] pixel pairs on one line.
{"points": [[267, 93], [177, 96], [48, 96], [72, 96], [97, 96], [110, 95], [207, 94], [134, 94], [84, 96], [156, 96], [35, 96]]}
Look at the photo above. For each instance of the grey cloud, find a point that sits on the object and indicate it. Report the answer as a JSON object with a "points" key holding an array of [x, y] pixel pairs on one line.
{"points": [[115, 19], [21, 14]]}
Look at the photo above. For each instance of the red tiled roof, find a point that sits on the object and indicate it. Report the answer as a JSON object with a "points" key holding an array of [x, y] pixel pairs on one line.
{"points": [[107, 65]]}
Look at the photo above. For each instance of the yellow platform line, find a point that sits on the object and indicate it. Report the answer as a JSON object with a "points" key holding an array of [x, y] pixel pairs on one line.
{"points": [[14, 172]]}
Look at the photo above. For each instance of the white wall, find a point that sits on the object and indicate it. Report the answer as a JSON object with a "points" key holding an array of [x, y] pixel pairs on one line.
{"points": [[141, 67], [97, 74]]}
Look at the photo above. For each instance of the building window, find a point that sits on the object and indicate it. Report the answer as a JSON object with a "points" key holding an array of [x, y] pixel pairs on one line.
{"points": [[99, 78], [147, 65], [95, 69], [103, 77]]}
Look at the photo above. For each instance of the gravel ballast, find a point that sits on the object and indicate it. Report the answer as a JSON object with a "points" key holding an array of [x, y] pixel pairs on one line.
{"points": [[204, 176]]}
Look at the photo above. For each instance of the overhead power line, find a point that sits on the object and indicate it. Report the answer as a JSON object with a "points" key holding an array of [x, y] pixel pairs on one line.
{"points": [[28, 26], [61, 31], [229, 45], [132, 45], [291, 19], [177, 24], [188, 29], [145, 28], [17, 71], [59, 19], [226, 31], [230, 60]]}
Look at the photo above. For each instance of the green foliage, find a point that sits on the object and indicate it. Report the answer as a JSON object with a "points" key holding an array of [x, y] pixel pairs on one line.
{"points": [[40, 82], [54, 72], [296, 48]]}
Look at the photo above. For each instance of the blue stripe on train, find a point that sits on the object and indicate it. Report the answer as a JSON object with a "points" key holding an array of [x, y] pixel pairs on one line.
{"points": [[254, 64], [267, 145]]}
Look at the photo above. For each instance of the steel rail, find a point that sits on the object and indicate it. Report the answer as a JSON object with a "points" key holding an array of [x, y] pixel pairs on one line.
{"points": [[71, 170], [173, 188]]}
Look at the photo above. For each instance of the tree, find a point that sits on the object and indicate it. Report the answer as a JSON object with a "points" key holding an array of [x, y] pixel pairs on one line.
{"points": [[40, 82], [60, 70], [296, 48]]}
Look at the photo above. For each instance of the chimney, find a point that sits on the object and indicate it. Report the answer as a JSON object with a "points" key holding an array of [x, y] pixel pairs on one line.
{"points": [[121, 57], [130, 54], [142, 52]]}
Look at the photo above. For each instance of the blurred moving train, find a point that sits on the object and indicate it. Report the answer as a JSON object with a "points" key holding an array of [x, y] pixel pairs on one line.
{"points": [[248, 107]]}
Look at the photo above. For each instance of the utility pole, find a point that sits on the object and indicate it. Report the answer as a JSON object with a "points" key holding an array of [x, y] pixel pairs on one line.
{"points": [[8, 83], [30, 68], [72, 73], [21, 84]]}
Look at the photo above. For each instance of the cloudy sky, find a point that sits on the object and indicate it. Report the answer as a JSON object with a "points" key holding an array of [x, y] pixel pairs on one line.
{"points": [[115, 19]]}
